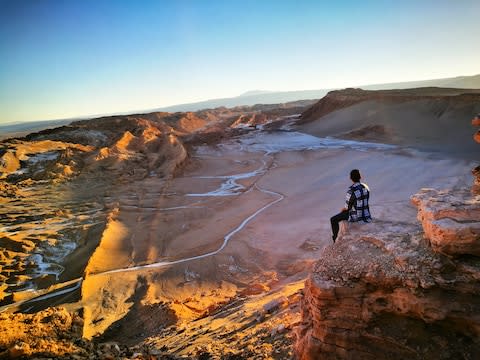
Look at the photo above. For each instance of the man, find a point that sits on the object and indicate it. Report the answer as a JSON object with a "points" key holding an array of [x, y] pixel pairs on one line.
{"points": [[356, 204]]}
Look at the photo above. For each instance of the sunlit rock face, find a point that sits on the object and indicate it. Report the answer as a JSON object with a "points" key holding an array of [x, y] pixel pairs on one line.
{"points": [[450, 220], [382, 292]]}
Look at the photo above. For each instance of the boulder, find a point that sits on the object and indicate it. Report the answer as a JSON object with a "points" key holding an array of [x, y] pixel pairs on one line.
{"points": [[450, 220]]}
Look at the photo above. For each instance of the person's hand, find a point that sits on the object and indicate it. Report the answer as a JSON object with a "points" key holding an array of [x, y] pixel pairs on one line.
{"points": [[344, 209]]}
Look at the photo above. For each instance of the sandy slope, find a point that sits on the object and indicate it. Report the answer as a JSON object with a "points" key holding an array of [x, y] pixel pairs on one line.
{"points": [[434, 119]]}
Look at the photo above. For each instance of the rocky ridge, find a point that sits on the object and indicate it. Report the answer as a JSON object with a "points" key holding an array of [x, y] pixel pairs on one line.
{"points": [[339, 99], [398, 291], [450, 220]]}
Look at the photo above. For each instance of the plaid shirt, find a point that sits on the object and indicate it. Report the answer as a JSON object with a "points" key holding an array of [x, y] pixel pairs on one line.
{"points": [[357, 202]]}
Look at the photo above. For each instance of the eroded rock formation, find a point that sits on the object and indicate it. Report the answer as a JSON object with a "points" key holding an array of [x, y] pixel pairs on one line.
{"points": [[383, 292], [57, 333], [450, 220]]}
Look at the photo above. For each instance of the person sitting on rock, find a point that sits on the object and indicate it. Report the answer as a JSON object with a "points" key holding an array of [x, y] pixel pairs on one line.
{"points": [[356, 204]]}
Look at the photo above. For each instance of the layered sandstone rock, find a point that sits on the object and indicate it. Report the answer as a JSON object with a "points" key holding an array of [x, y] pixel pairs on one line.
{"points": [[450, 220], [382, 292]]}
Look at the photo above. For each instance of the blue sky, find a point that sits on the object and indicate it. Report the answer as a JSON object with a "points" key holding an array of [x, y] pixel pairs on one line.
{"points": [[61, 59]]}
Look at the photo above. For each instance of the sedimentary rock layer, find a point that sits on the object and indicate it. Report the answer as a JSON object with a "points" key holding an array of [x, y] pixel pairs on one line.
{"points": [[450, 220], [382, 292]]}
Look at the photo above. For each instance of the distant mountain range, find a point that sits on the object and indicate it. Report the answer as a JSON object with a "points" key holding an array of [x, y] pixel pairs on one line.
{"points": [[459, 82], [24, 128], [248, 98], [278, 97]]}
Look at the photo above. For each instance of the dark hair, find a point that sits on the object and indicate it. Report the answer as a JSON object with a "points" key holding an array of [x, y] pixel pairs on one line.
{"points": [[355, 175]]}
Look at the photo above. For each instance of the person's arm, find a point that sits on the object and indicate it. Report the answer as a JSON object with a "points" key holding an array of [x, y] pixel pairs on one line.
{"points": [[349, 200]]}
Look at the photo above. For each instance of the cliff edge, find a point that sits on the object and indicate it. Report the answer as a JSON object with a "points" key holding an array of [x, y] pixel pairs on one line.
{"points": [[399, 291]]}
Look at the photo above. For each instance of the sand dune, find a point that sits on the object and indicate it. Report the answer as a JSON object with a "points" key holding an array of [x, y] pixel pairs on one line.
{"points": [[437, 121]]}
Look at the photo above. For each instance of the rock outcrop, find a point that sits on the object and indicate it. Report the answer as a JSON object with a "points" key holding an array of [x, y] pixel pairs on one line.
{"points": [[450, 220], [383, 292]]}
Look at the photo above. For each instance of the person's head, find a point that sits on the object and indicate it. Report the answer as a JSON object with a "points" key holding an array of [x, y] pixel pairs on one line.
{"points": [[355, 175]]}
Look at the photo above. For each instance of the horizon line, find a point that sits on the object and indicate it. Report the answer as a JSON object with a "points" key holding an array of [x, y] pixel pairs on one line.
{"points": [[263, 92]]}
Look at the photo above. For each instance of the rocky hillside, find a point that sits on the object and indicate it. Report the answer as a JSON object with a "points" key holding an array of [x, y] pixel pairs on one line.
{"points": [[121, 144], [57, 333], [399, 291], [146, 140]]}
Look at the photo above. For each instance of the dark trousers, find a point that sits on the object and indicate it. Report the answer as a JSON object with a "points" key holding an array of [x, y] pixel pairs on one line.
{"points": [[334, 220]]}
